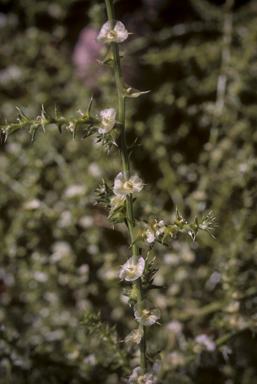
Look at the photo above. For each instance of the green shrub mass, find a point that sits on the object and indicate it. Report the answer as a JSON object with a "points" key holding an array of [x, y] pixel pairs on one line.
{"points": [[62, 313]]}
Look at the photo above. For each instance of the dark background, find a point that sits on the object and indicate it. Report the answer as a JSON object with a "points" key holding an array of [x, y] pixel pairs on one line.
{"points": [[60, 257]]}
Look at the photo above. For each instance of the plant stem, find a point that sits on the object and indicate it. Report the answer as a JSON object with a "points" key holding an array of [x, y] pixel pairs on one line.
{"points": [[126, 168]]}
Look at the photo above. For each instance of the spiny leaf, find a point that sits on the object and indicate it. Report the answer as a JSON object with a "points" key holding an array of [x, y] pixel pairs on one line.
{"points": [[22, 118], [32, 130], [2, 137], [58, 115]]}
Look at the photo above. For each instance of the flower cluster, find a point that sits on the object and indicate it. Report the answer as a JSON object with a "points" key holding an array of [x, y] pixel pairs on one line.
{"points": [[146, 232]]}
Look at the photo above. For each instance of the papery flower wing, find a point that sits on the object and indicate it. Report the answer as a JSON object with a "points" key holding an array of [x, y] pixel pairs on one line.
{"points": [[148, 315], [135, 375], [102, 37], [132, 269], [107, 120], [138, 378], [149, 318], [116, 35], [118, 183], [135, 336], [122, 33], [137, 183], [116, 201], [125, 183]]}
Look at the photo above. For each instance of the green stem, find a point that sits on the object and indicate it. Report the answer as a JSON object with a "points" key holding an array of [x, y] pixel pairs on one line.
{"points": [[126, 167]]}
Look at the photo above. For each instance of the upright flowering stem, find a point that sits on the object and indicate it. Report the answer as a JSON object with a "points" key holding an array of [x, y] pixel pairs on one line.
{"points": [[126, 167]]}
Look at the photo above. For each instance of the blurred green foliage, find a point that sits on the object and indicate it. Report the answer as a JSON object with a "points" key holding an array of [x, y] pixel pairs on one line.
{"points": [[60, 257]]}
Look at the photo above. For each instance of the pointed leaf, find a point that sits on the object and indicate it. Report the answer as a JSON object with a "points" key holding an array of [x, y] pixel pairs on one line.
{"points": [[89, 106], [128, 91], [5, 137]]}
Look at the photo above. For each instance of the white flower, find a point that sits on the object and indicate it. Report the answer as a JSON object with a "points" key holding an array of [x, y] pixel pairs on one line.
{"points": [[206, 341], [132, 269], [148, 315], [138, 378], [116, 35], [107, 120], [126, 183], [135, 336]]}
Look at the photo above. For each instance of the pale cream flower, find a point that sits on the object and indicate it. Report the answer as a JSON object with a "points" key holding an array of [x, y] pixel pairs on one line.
{"points": [[232, 307], [158, 227], [174, 327], [138, 378], [144, 235], [107, 120], [126, 183], [149, 236], [148, 315], [132, 269], [135, 336], [116, 35], [175, 359], [116, 201]]}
